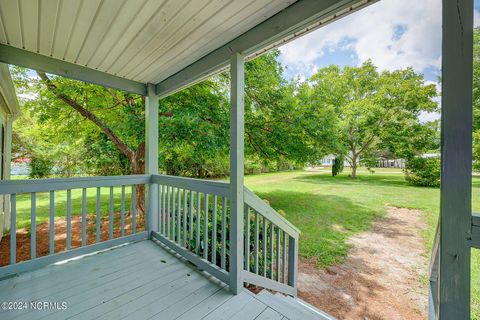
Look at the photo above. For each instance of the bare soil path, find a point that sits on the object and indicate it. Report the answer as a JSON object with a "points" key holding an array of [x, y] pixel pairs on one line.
{"points": [[380, 278]]}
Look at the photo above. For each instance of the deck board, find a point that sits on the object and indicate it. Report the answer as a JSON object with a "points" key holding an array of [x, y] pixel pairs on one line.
{"points": [[142, 280], [106, 267], [269, 314]]}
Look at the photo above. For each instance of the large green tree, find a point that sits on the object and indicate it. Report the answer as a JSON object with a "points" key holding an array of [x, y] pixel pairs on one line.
{"points": [[107, 126], [375, 110]]}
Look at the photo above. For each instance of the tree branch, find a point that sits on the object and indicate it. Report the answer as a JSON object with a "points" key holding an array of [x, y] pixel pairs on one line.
{"points": [[88, 115]]}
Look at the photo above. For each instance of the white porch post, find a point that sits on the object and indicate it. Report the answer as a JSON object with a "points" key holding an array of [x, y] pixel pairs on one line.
{"points": [[151, 156], [456, 149], [236, 171]]}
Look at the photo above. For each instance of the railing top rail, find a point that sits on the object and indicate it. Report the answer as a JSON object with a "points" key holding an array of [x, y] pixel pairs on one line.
{"points": [[42, 185], [268, 212], [219, 188]]}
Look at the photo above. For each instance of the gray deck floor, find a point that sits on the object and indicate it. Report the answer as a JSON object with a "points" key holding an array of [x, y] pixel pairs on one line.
{"points": [[136, 281]]}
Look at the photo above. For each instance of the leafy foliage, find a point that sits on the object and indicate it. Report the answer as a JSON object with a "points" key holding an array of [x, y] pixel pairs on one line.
{"points": [[423, 172], [40, 167], [476, 99], [94, 130], [375, 110]]}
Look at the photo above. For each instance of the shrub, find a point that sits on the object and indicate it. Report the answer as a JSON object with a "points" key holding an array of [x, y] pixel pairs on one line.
{"points": [[423, 172], [40, 168], [337, 166]]}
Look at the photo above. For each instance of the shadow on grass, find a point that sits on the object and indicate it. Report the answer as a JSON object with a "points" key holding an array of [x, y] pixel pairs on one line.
{"points": [[326, 222], [364, 179]]}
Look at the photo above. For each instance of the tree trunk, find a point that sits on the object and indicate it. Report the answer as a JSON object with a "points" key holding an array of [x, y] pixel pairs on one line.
{"points": [[354, 166], [137, 166]]}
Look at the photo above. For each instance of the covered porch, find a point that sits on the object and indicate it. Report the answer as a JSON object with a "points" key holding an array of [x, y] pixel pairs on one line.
{"points": [[190, 254]]}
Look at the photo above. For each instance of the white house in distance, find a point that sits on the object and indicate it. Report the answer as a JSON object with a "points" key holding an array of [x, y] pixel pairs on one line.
{"points": [[8, 111]]}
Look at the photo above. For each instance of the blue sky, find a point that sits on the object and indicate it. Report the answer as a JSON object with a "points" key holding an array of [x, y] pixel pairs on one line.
{"points": [[394, 34]]}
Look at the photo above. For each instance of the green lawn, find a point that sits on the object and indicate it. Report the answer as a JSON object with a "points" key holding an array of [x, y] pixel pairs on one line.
{"points": [[43, 204], [328, 210]]}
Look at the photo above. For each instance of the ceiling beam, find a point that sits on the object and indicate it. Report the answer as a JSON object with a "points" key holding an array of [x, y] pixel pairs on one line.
{"points": [[36, 61], [297, 19]]}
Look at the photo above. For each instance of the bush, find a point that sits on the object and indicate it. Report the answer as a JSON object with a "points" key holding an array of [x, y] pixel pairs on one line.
{"points": [[423, 172], [337, 166], [40, 168]]}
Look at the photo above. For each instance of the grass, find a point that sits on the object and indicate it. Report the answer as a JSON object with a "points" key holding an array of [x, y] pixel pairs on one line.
{"points": [[43, 204], [328, 210]]}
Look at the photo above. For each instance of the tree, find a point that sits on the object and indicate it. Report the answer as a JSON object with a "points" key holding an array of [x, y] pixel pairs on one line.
{"points": [[71, 110], [107, 126], [375, 110], [280, 130]]}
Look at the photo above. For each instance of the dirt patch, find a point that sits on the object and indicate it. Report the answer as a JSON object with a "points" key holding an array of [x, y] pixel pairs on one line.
{"points": [[380, 278], [60, 236]]}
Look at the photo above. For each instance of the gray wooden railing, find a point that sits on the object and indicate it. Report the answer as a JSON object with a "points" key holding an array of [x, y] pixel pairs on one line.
{"points": [[51, 187], [433, 277], [434, 272], [193, 220], [271, 258]]}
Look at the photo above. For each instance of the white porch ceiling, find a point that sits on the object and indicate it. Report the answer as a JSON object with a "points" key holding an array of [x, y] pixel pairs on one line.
{"points": [[125, 44], [141, 40]]}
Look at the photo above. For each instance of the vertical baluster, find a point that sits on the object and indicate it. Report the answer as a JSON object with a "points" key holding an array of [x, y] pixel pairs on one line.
{"points": [[173, 215], [190, 211], [168, 212], [255, 243], [292, 261], [134, 209], [69, 219], [84, 217], [224, 233], [33, 226], [164, 215], [52, 222], [247, 238], [264, 246], [179, 217], [284, 256], [97, 225], [277, 256], [110, 222], [13, 229], [184, 240], [214, 230], [159, 202], [122, 213], [205, 226], [197, 242], [271, 250]]}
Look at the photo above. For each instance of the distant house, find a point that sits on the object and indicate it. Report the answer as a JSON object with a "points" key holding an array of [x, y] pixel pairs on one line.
{"points": [[8, 111], [384, 162], [20, 167], [328, 161], [390, 163]]}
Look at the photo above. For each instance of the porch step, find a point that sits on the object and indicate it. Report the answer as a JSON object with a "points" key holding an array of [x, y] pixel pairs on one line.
{"points": [[292, 308]]}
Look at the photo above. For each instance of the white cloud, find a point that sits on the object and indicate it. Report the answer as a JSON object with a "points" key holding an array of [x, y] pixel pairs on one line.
{"points": [[371, 31]]}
